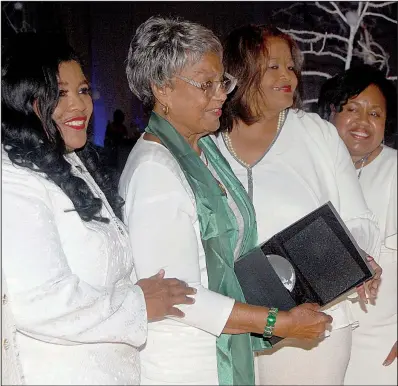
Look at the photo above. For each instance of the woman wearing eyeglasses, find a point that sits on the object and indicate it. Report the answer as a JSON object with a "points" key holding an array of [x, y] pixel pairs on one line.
{"points": [[187, 212]]}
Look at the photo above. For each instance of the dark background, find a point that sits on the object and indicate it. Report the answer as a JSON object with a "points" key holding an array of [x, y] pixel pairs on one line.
{"points": [[101, 33]]}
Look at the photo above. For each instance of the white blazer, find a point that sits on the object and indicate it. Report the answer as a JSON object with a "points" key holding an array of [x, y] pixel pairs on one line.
{"points": [[70, 284]]}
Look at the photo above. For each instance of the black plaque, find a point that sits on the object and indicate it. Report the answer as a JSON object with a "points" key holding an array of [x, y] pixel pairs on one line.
{"points": [[326, 260]]}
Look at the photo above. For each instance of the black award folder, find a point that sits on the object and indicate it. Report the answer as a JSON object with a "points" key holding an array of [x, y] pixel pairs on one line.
{"points": [[314, 260]]}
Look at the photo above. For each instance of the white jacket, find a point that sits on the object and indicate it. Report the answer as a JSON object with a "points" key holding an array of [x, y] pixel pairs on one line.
{"points": [[70, 284], [11, 370]]}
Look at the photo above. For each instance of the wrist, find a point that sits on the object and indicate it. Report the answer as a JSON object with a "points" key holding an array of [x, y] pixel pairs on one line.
{"points": [[270, 323], [283, 324]]}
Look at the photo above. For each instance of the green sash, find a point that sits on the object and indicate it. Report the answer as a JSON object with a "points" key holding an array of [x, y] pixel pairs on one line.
{"points": [[219, 234]]}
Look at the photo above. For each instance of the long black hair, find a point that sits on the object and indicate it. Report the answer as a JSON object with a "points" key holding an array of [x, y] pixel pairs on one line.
{"points": [[30, 65], [336, 92]]}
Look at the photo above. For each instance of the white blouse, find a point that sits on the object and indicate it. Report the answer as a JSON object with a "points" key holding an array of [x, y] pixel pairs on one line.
{"points": [[79, 317], [160, 213], [379, 184], [379, 180], [307, 165]]}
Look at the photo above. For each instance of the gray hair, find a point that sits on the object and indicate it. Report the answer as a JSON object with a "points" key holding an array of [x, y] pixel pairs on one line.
{"points": [[160, 49]]}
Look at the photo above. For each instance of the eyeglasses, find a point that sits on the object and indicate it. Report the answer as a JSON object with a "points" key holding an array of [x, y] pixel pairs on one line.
{"points": [[210, 87]]}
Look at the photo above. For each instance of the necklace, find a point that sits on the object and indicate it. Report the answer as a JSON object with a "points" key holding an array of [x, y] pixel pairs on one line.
{"points": [[220, 185], [228, 142], [363, 161]]}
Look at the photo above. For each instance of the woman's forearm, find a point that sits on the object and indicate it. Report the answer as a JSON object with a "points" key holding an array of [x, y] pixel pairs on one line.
{"points": [[246, 318]]}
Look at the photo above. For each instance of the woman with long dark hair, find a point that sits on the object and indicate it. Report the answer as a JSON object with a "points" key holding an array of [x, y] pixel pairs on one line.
{"points": [[79, 317]]}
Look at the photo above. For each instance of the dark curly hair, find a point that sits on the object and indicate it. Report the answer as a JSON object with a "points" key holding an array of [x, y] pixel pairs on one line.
{"points": [[245, 51], [30, 65], [336, 92]]}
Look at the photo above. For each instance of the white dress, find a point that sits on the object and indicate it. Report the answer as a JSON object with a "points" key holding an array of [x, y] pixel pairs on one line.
{"points": [[79, 318], [307, 165], [377, 331], [160, 213]]}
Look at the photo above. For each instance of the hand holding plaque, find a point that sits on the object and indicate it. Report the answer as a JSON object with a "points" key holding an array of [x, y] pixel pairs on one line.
{"points": [[314, 260]]}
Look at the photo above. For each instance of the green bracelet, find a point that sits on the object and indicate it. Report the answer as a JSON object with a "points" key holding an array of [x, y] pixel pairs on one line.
{"points": [[271, 320]]}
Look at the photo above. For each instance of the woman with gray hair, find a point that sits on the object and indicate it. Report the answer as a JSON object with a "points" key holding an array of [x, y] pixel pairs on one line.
{"points": [[187, 213]]}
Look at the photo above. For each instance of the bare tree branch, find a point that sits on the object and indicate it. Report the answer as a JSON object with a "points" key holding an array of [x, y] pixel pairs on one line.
{"points": [[381, 5], [352, 25], [325, 53], [316, 36], [309, 101], [9, 15], [381, 15], [10, 23], [285, 10], [316, 73], [338, 11]]}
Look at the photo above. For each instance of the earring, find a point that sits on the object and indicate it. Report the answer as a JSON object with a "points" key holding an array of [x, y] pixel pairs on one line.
{"points": [[165, 109]]}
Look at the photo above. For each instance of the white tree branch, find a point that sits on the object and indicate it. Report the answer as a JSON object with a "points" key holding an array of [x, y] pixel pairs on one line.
{"points": [[324, 8], [325, 53], [381, 15], [338, 11], [316, 73], [8, 19], [323, 43], [316, 36], [347, 22], [380, 5], [309, 101], [359, 9], [381, 49], [285, 10]]}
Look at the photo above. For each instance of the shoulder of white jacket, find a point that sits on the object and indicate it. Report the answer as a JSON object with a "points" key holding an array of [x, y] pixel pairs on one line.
{"points": [[390, 152], [16, 177], [150, 154], [309, 118], [314, 124]]}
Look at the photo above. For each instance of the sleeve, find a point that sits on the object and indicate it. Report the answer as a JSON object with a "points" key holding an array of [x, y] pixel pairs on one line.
{"points": [[49, 301], [159, 216], [390, 240], [354, 211]]}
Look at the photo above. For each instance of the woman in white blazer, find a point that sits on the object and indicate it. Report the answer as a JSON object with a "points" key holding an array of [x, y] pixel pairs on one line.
{"points": [[79, 313]]}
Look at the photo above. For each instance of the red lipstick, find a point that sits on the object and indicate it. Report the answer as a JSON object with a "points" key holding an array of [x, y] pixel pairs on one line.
{"points": [[76, 123]]}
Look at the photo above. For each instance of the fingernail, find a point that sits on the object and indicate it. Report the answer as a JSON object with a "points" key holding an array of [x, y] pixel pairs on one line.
{"points": [[386, 363]]}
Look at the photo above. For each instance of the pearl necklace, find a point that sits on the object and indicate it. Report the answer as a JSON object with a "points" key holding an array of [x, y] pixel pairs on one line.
{"points": [[228, 142]]}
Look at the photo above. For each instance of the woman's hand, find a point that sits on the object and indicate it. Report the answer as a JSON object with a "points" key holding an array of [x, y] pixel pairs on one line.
{"points": [[391, 356], [303, 322], [369, 289], [161, 295]]}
